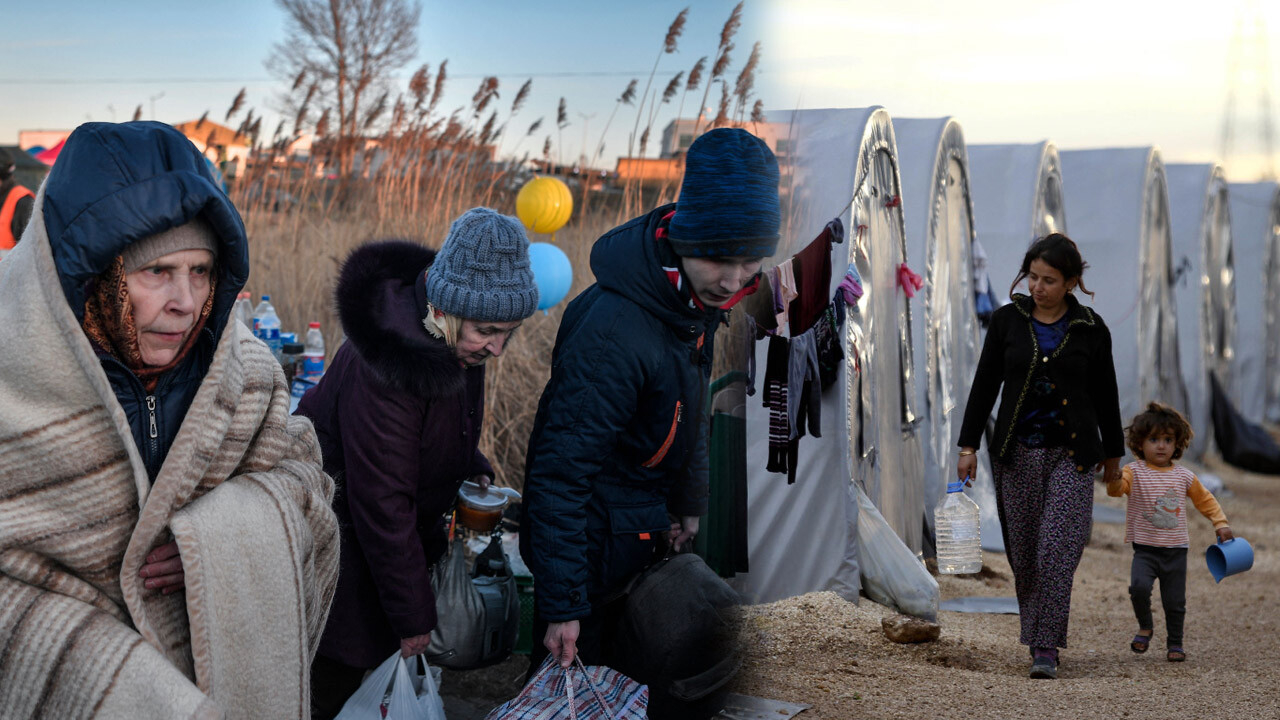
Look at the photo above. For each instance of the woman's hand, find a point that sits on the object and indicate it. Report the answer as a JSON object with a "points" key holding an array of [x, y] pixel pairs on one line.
{"points": [[562, 641], [163, 569], [967, 466], [416, 645], [1111, 468]]}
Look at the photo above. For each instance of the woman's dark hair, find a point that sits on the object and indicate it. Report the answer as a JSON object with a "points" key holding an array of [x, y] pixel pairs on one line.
{"points": [[1062, 255], [1159, 418]]}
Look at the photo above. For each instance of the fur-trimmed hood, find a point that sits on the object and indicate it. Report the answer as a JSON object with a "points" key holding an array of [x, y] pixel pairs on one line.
{"points": [[381, 304]]}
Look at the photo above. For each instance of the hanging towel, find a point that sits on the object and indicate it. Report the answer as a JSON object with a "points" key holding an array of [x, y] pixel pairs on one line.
{"points": [[786, 291], [812, 268]]}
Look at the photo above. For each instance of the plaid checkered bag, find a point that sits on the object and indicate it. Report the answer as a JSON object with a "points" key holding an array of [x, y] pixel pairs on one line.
{"points": [[579, 693]]}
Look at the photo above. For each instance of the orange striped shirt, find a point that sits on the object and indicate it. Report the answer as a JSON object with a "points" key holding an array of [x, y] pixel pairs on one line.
{"points": [[1157, 503]]}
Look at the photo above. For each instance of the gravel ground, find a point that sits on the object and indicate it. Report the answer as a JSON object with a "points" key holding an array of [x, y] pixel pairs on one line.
{"points": [[822, 650]]}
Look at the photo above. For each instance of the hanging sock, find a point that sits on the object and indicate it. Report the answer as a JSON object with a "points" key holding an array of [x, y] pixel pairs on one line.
{"points": [[804, 401], [775, 399], [909, 281], [851, 287]]}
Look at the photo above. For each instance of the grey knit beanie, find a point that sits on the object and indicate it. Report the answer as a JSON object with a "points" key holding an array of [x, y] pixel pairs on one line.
{"points": [[482, 271], [195, 234]]}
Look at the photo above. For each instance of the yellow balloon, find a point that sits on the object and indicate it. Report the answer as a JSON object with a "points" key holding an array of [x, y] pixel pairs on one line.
{"points": [[544, 205]]}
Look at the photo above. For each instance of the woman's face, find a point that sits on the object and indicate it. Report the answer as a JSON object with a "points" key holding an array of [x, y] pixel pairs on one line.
{"points": [[478, 341], [1048, 287], [167, 295]]}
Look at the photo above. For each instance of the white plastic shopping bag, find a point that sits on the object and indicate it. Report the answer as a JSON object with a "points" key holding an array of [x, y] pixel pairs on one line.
{"points": [[398, 689]]}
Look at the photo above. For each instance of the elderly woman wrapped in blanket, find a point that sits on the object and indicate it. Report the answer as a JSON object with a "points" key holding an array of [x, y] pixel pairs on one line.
{"points": [[167, 549]]}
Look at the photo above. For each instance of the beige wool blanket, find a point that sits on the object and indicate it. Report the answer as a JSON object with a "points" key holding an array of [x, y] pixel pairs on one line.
{"points": [[241, 490]]}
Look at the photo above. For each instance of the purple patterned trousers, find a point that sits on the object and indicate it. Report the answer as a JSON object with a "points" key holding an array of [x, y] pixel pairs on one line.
{"points": [[1046, 508]]}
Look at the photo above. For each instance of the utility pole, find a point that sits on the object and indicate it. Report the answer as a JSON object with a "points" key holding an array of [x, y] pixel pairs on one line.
{"points": [[154, 98], [582, 156], [1248, 68]]}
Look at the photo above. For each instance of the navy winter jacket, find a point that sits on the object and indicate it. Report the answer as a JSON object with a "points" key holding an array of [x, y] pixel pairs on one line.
{"points": [[619, 439], [129, 182]]}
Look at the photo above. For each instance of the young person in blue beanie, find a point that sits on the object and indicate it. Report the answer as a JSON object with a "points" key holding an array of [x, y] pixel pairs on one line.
{"points": [[617, 462]]}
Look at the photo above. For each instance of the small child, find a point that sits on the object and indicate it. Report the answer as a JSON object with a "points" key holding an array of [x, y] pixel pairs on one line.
{"points": [[1156, 521]]}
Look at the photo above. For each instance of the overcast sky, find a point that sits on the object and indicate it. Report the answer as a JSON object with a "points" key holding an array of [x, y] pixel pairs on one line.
{"points": [[1084, 73]]}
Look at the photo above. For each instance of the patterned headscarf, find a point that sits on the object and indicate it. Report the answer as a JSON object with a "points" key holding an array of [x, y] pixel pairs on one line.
{"points": [[109, 324]]}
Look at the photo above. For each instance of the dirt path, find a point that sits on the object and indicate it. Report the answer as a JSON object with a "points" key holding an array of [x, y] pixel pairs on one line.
{"points": [[822, 650]]}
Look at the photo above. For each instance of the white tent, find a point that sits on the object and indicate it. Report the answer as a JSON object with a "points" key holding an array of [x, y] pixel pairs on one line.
{"points": [[1118, 209], [1255, 232], [802, 537], [1017, 198], [1204, 267], [934, 167]]}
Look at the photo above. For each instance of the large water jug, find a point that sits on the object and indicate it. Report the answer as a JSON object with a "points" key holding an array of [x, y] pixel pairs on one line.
{"points": [[958, 529]]}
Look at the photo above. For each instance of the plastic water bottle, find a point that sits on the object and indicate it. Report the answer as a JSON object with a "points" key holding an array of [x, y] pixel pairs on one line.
{"points": [[959, 536], [313, 356], [259, 311], [244, 310], [269, 326]]}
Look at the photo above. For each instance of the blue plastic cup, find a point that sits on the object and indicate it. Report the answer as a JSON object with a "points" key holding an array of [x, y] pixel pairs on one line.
{"points": [[1228, 558]]}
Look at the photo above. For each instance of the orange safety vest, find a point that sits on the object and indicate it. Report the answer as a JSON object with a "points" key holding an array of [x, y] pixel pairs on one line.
{"points": [[7, 240]]}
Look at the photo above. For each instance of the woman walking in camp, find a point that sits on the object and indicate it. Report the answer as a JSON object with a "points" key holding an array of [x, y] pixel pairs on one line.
{"points": [[398, 415], [1059, 417]]}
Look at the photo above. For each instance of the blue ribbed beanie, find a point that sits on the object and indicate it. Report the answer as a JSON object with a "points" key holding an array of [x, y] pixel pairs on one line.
{"points": [[728, 204], [482, 271]]}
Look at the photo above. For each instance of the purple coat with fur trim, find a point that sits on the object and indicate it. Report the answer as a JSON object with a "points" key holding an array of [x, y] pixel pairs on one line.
{"points": [[399, 422]]}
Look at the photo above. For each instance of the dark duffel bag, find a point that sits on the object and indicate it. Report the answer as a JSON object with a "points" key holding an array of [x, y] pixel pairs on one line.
{"points": [[676, 635]]}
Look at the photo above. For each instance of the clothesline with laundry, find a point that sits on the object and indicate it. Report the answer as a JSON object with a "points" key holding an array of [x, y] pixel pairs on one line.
{"points": [[805, 351]]}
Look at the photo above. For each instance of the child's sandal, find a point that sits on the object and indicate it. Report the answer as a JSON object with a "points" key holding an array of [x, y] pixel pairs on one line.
{"points": [[1176, 654], [1140, 643]]}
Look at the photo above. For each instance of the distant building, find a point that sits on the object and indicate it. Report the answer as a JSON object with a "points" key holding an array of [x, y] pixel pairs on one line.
{"points": [[46, 139], [224, 146], [668, 167], [679, 134]]}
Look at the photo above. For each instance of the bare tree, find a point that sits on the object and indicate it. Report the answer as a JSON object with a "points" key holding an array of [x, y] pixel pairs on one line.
{"points": [[349, 50]]}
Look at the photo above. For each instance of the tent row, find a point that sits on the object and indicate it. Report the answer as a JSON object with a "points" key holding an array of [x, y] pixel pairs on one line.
{"points": [[1163, 243]]}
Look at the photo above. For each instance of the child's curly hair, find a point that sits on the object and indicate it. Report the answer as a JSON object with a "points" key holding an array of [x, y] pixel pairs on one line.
{"points": [[1159, 417]]}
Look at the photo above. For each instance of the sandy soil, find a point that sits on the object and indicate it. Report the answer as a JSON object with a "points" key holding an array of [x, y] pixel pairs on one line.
{"points": [[827, 652]]}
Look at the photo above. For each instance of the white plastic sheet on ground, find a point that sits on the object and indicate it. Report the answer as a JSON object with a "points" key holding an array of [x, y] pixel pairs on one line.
{"points": [[802, 537], [1255, 233], [1118, 209], [1017, 197], [1204, 288], [934, 166]]}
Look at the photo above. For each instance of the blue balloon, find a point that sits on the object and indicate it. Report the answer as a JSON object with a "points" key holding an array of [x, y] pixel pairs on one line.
{"points": [[552, 273]]}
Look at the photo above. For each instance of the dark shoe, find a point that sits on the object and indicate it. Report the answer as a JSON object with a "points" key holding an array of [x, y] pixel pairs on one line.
{"points": [[1044, 665], [1140, 642], [1176, 654]]}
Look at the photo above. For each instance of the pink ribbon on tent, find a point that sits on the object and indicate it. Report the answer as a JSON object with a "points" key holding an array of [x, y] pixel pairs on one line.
{"points": [[895, 201], [909, 281]]}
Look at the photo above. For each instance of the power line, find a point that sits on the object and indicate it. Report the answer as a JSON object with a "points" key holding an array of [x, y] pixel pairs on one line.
{"points": [[214, 81]]}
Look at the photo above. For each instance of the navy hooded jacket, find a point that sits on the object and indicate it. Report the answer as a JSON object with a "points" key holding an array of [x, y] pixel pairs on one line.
{"points": [[619, 439], [116, 184]]}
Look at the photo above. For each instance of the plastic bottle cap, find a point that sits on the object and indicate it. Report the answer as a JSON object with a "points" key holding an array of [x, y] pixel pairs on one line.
{"points": [[956, 486], [266, 298], [313, 325]]}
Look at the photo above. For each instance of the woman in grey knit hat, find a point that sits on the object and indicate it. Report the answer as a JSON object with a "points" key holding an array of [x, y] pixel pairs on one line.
{"points": [[398, 415]]}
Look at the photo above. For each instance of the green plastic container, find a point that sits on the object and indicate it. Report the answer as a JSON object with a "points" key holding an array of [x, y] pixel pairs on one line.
{"points": [[524, 591]]}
